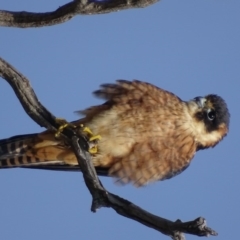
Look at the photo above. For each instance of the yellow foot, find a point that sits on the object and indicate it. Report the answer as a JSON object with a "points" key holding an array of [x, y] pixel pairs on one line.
{"points": [[92, 140], [93, 150], [63, 124]]}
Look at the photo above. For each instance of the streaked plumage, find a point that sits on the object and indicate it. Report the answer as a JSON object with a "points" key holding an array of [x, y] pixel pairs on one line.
{"points": [[148, 134]]}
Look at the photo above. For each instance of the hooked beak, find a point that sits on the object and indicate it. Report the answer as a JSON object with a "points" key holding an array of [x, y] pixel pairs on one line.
{"points": [[200, 101]]}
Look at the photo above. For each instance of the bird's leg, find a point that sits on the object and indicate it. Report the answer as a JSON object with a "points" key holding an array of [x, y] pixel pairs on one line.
{"points": [[63, 124], [93, 139]]}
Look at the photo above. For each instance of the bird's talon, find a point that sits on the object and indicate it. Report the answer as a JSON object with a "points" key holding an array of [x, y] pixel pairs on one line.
{"points": [[87, 130], [93, 149], [60, 129], [96, 137], [63, 124], [92, 137]]}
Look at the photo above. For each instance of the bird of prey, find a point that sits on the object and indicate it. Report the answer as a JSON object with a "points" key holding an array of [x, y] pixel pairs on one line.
{"points": [[147, 134]]}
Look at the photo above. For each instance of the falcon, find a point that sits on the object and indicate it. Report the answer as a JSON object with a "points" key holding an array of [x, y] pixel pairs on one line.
{"points": [[144, 134]]}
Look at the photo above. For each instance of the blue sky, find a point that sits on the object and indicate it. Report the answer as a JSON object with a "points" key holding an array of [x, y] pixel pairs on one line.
{"points": [[189, 47]]}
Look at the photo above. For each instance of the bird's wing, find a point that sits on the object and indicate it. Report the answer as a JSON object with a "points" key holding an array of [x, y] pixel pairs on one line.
{"points": [[125, 94]]}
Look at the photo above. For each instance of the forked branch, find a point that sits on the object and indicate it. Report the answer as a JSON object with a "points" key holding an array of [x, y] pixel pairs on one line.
{"points": [[100, 196]]}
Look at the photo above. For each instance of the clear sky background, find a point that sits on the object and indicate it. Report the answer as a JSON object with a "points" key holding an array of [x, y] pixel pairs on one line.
{"points": [[189, 47]]}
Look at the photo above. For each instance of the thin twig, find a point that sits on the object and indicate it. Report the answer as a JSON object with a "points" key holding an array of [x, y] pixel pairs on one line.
{"points": [[100, 196]]}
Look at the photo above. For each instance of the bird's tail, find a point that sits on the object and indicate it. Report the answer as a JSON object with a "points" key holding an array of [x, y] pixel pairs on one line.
{"points": [[39, 151], [21, 151]]}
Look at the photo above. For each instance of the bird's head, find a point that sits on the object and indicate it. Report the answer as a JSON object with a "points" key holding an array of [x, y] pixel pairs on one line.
{"points": [[211, 119]]}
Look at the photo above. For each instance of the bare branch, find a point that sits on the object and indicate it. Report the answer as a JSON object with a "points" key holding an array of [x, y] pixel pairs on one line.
{"points": [[66, 12], [100, 196]]}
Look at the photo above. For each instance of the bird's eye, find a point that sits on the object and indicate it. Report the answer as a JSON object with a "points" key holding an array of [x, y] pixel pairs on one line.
{"points": [[211, 115]]}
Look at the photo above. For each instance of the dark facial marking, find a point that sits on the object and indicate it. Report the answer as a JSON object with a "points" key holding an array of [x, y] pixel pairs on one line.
{"points": [[215, 116]]}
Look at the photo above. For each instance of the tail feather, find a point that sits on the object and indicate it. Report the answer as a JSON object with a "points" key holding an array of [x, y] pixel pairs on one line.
{"points": [[66, 168], [15, 146], [25, 161], [39, 151], [24, 150]]}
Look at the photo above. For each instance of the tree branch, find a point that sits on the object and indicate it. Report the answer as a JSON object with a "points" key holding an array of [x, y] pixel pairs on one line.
{"points": [[66, 12], [100, 196]]}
